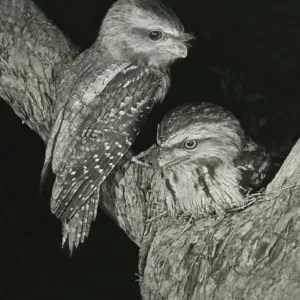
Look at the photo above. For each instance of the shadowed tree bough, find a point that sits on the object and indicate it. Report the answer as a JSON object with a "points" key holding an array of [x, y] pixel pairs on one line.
{"points": [[250, 254]]}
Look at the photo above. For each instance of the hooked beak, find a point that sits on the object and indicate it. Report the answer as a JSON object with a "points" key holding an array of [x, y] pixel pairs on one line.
{"points": [[181, 51], [166, 158], [165, 163], [183, 45], [157, 157]]}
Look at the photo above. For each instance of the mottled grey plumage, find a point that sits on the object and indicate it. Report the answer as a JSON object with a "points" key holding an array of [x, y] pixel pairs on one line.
{"points": [[204, 162], [101, 117]]}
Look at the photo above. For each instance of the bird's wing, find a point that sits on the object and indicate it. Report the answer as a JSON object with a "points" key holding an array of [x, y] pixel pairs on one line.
{"points": [[107, 131], [72, 109], [253, 164], [78, 227]]}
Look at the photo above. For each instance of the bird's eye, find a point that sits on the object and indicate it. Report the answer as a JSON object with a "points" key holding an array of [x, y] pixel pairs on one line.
{"points": [[155, 35], [190, 144]]}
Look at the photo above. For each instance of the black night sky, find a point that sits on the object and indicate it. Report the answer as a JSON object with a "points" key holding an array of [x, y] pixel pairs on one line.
{"points": [[256, 42]]}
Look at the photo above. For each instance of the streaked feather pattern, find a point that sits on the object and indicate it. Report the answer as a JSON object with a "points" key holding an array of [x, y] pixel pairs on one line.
{"points": [[213, 176], [105, 95], [127, 101]]}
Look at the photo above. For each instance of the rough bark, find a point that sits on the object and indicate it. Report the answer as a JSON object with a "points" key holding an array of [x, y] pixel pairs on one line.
{"points": [[251, 254], [32, 53]]}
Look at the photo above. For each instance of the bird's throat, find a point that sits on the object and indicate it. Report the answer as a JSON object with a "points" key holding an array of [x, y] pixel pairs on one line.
{"points": [[198, 192]]}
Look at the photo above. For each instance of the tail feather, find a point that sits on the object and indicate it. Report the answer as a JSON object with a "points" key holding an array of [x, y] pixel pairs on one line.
{"points": [[78, 228]]}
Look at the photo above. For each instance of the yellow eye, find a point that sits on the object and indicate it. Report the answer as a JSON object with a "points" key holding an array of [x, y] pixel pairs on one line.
{"points": [[155, 35], [190, 144]]}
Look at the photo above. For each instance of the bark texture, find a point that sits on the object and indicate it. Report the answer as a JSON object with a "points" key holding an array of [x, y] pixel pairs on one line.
{"points": [[32, 53], [251, 254]]}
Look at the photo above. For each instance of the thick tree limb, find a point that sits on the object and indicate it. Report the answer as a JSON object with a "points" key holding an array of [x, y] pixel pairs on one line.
{"points": [[32, 52]]}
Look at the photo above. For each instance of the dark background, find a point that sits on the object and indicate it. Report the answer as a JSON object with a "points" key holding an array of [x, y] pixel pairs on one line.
{"points": [[250, 48]]}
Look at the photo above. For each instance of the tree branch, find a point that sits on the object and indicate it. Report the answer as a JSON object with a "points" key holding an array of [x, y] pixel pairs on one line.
{"points": [[32, 53]]}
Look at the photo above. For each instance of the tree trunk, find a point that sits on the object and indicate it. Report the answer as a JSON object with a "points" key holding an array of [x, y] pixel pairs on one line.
{"points": [[250, 254]]}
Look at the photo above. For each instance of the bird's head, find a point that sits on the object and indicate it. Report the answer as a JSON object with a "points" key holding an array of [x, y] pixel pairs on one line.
{"points": [[143, 32], [194, 171], [200, 135]]}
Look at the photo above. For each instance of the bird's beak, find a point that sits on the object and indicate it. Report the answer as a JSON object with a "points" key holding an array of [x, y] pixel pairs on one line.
{"points": [[164, 162], [181, 51], [183, 44], [166, 158]]}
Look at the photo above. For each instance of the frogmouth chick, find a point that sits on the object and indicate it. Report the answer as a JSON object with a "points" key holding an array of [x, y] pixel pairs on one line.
{"points": [[203, 162]]}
